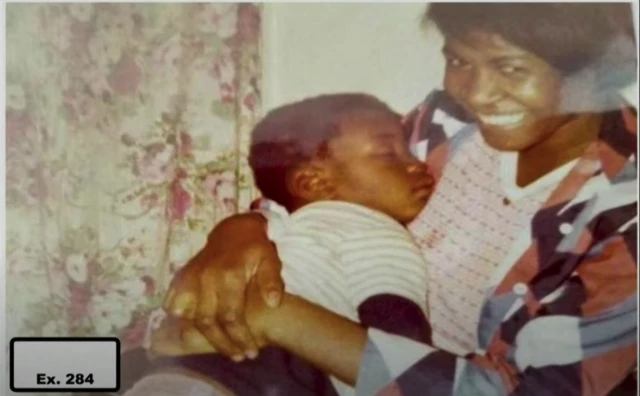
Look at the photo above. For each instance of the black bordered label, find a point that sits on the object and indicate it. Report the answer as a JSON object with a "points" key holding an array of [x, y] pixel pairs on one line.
{"points": [[64, 364]]}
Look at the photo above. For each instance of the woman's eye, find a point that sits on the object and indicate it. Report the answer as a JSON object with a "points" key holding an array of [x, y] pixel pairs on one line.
{"points": [[510, 70], [455, 62]]}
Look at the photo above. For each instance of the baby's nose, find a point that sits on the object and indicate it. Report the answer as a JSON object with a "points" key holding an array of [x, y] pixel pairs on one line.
{"points": [[416, 167]]}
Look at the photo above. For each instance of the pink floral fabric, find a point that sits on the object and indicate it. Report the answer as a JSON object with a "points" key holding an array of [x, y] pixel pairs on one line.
{"points": [[127, 131]]}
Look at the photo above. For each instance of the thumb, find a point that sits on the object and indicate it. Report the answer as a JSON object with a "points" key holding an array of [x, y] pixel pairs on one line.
{"points": [[183, 304], [180, 298], [269, 279]]}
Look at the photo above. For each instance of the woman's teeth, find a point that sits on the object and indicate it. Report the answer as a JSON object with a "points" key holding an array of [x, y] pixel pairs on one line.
{"points": [[501, 120]]}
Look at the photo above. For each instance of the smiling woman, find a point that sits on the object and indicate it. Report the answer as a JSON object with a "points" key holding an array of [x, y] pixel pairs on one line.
{"points": [[524, 75], [508, 90]]}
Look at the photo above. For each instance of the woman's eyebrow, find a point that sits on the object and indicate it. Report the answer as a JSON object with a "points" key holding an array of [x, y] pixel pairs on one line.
{"points": [[448, 51], [499, 57], [509, 58]]}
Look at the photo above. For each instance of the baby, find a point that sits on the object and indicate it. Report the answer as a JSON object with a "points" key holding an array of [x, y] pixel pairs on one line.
{"points": [[341, 184]]}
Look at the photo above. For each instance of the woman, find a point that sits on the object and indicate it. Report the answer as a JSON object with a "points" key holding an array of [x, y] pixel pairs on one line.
{"points": [[530, 234]]}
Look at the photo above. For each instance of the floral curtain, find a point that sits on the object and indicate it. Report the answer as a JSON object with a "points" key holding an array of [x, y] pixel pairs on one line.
{"points": [[127, 130]]}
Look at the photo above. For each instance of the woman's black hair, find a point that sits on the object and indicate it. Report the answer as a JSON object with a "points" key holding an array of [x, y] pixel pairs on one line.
{"points": [[569, 36]]}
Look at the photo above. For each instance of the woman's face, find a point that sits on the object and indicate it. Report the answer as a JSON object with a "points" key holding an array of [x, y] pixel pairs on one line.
{"points": [[513, 95]]}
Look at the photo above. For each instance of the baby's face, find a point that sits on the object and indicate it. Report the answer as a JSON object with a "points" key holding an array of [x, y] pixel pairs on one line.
{"points": [[371, 165]]}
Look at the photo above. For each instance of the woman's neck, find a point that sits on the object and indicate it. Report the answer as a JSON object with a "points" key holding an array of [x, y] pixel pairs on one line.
{"points": [[569, 142]]}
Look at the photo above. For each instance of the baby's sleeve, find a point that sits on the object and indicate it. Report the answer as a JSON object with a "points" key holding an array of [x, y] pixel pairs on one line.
{"points": [[386, 279], [309, 267]]}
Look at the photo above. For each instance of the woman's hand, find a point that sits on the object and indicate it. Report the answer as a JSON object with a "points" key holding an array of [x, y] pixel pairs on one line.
{"points": [[178, 337], [211, 288], [323, 338]]}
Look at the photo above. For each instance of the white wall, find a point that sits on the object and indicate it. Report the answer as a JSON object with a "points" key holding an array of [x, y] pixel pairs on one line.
{"points": [[378, 48], [630, 93]]}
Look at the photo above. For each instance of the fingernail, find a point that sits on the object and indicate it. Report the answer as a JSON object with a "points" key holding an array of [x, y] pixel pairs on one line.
{"points": [[273, 298], [237, 358], [252, 354]]}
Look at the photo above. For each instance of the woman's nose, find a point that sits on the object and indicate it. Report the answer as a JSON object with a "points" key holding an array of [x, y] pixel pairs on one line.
{"points": [[481, 89]]}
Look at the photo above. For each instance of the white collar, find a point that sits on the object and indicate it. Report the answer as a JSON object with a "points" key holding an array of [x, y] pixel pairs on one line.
{"points": [[508, 175]]}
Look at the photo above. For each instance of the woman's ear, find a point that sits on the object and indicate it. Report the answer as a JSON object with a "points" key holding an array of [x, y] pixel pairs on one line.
{"points": [[310, 182]]}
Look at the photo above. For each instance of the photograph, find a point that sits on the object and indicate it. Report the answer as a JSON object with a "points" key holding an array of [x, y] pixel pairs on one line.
{"points": [[321, 199]]}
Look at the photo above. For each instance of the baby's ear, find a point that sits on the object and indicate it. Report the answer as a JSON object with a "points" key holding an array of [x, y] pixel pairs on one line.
{"points": [[310, 182]]}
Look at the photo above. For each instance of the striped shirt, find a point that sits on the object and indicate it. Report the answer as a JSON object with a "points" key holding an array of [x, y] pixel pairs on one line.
{"points": [[339, 255]]}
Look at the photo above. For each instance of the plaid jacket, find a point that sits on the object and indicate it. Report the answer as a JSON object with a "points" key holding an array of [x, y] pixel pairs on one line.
{"points": [[560, 316]]}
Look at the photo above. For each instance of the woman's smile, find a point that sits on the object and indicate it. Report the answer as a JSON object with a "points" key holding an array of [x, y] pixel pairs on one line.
{"points": [[502, 120]]}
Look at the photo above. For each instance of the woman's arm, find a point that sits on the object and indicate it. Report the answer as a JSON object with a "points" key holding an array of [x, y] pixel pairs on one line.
{"points": [[551, 355], [210, 288], [325, 339], [540, 362], [328, 341]]}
